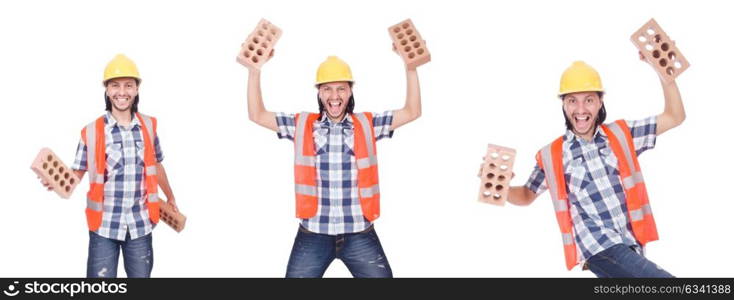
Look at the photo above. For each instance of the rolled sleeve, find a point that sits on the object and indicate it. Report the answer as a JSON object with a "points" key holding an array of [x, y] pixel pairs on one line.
{"points": [[382, 122], [158, 151], [286, 125], [536, 182], [644, 133], [80, 160]]}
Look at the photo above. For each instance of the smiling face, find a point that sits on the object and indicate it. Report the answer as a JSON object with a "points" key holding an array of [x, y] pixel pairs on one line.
{"points": [[582, 111], [335, 97], [121, 93]]}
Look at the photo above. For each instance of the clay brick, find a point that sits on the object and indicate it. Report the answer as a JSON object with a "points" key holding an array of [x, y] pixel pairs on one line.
{"points": [[409, 44], [496, 174], [660, 51], [176, 220], [51, 169], [259, 44]]}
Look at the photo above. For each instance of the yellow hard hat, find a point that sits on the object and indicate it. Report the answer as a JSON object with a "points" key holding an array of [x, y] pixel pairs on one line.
{"points": [[121, 66], [580, 77], [333, 69]]}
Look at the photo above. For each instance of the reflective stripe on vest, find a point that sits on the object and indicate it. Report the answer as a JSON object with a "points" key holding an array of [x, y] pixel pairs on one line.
{"points": [[550, 159], [638, 206], [305, 166], [93, 136]]}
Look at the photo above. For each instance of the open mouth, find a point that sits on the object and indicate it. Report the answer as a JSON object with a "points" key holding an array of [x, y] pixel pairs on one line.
{"points": [[583, 122], [334, 107]]}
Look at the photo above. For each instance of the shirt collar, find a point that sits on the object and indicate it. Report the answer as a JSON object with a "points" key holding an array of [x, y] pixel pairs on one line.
{"points": [[112, 122], [599, 136], [346, 121]]}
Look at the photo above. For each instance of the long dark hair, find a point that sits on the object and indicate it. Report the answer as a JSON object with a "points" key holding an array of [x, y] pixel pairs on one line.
{"points": [[350, 104], [600, 117]]}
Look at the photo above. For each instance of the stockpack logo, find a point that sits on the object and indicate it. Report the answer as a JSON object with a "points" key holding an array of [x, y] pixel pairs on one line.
{"points": [[69, 289], [12, 290]]}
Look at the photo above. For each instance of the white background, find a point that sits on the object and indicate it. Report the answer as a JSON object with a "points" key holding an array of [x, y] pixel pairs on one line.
{"points": [[493, 79]]}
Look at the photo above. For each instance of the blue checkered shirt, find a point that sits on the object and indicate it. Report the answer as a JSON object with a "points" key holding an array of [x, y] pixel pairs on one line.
{"points": [[339, 210], [595, 191], [124, 188]]}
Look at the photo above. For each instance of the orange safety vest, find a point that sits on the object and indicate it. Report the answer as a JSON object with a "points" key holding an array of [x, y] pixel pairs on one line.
{"points": [[305, 166], [93, 136], [550, 158]]}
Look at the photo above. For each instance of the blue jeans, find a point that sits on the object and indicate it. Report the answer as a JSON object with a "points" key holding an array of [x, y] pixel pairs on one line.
{"points": [[361, 252], [104, 254], [621, 261]]}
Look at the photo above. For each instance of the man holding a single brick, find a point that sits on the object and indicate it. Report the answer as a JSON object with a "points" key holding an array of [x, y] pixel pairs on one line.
{"points": [[122, 154], [595, 181], [337, 192]]}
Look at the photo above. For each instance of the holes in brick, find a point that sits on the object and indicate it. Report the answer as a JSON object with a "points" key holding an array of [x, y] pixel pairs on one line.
{"points": [[487, 193], [488, 185], [670, 71], [406, 25], [501, 178], [642, 39], [68, 188], [656, 38], [62, 183], [269, 38], [497, 196], [251, 47], [409, 31], [665, 47], [400, 36], [663, 62], [490, 175], [56, 177], [671, 55], [396, 29], [56, 164], [255, 59], [50, 171], [49, 157], [649, 47], [420, 51], [256, 40], [67, 175], [403, 42], [407, 48], [416, 45], [259, 52], [247, 54], [260, 33], [61, 169], [411, 55], [273, 32], [71, 181], [650, 31], [264, 45], [45, 166], [494, 155], [492, 166], [499, 187], [504, 167], [412, 38], [656, 54], [505, 157], [677, 65]]}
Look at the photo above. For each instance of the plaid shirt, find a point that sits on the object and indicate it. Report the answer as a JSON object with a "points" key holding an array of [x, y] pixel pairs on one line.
{"points": [[595, 192], [339, 210], [124, 188]]}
